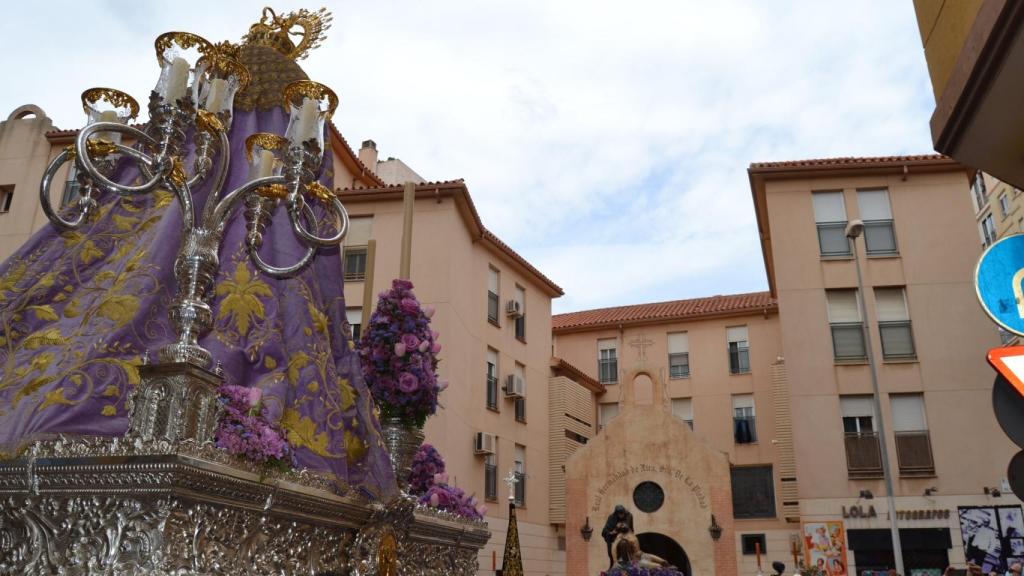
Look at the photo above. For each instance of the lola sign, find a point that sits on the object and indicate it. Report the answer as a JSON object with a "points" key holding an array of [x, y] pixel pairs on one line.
{"points": [[859, 512]]}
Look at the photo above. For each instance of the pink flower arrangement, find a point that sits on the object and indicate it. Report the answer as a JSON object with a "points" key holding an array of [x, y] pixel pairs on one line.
{"points": [[243, 429], [427, 467], [398, 353]]}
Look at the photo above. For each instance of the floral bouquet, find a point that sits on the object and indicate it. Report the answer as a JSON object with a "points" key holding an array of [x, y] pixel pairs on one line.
{"points": [[452, 499], [426, 465], [399, 356], [243, 429]]}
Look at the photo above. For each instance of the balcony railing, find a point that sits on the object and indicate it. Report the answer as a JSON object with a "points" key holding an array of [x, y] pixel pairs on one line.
{"points": [[863, 455], [848, 341], [492, 392], [914, 452], [897, 340]]}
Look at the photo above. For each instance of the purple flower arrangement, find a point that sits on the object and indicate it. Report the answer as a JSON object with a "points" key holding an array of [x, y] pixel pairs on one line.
{"points": [[426, 464], [398, 353], [634, 570], [243, 429], [429, 481]]}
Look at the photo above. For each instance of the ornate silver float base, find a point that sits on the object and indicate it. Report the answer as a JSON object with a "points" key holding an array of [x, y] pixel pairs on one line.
{"points": [[402, 442], [94, 506]]}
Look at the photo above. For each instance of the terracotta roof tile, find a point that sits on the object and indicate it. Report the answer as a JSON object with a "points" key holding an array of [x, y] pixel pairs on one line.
{"points": [[850, 161], [559, 366], [664, 311]]}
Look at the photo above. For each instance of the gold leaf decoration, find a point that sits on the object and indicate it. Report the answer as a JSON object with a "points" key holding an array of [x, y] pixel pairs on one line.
{"points": [[269, 362], [40, 338], [348, 393], [11, 279], [241, 303], [296, 362], [119, 308], [89, 252], [162, 198], [124, 223], [355, 448], [110, 390], [33, 385], [109, 410], [53, 398], [302, 432], [44, 312], [318, 317]]}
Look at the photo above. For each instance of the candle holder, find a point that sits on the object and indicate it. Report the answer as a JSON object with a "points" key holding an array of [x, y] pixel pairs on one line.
{"points": [[194, 71]]}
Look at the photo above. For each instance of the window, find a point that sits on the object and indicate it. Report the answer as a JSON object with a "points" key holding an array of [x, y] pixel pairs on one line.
{"points": [[845, 323], [492, 296], [520, 403], [863, 453], [519, 465], [1004, 205], [607, 361], [739, 349], [894, 323], [752, 543], [492, 379], [682, 408], [753, 492], [913, 445], [521, 318], [979, 191], [355, 320], [744, 425], [71, 187], [988, 230], [491, 477], [678, 355], [356, 239], [830, 216], [879, 237], [6, 197], [605, 414]]}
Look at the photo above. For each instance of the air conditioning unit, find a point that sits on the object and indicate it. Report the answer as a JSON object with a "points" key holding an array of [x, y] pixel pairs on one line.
{"points": [[513, 308], [484, 443], [514, 386]]}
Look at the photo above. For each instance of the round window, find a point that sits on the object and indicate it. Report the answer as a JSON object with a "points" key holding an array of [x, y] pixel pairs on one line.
{"points": [[648, 497]]}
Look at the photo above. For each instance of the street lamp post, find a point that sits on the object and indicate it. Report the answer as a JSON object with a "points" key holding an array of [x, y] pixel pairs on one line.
{"points": [[853, 230]]}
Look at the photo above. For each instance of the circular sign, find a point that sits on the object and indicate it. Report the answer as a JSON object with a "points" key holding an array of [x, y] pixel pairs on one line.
{"points": [[999, 281], [648, 496], [1008, 405], [1015, 474]]}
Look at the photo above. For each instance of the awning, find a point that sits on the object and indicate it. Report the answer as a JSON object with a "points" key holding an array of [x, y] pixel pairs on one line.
{"points": [[910, 539]]}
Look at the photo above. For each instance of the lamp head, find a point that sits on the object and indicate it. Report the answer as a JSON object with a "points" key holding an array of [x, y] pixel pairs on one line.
{"points": [[866, 494], [854, 228]]}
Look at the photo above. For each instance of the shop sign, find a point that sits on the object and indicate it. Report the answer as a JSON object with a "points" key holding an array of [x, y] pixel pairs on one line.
{"points": [[858, 511]]}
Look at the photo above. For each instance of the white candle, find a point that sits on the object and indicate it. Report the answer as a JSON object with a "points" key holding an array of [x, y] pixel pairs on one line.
{"points": [[108, 116], [215, 97], [177, 81], [306, 124], [265, 165]]}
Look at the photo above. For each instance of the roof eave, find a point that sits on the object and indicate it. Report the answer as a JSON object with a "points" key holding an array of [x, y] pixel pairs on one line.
{"points": [[764, 310]]}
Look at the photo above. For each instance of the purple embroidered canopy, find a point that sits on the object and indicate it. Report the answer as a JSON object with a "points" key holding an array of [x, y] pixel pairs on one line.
{"points": [[79, 311]]}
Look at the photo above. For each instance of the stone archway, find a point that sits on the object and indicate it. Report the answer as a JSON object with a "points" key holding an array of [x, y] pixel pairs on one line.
{"points": [[667, 548]]}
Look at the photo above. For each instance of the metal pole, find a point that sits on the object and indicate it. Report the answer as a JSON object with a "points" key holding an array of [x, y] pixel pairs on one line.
{"points": [[897, 548], [408, 201], [371, 258]]}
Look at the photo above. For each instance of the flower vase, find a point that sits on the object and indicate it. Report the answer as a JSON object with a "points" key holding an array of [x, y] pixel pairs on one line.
{"points": [[402, 441]]}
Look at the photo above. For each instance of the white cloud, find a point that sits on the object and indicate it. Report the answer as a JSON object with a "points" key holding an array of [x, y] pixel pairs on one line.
{"points": [[606, 141]]}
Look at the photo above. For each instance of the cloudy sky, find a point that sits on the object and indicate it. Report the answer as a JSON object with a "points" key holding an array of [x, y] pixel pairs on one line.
{"points": [[607, 142]]}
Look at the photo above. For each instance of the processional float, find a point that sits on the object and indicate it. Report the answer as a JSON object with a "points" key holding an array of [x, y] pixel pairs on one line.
{"points": [[157, 496]]}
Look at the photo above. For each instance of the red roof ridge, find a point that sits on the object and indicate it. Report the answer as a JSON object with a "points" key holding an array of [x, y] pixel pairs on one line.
{"points": [[579, 376], [851, 161], [665, 311]]}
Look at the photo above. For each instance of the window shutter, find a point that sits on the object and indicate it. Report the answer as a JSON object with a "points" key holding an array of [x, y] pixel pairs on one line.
{"points": [[492, 280], [521, 298], [354, 315], [682, 408], [743, 401], [842, 306], [492, 357], [359, 230], [678, 343], [874, 204], [890, 304], [606, 344], [908, 413], [828, 207], [856, 406], [736, 334]]}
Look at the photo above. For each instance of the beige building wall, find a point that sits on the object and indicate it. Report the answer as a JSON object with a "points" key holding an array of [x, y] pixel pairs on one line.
{"points": [[710, 388], [450, 270], [999, 207], [937, 251]]}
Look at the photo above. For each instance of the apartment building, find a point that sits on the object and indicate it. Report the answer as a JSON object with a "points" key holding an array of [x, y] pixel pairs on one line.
{"points": [[997, 207], [928, 336]]}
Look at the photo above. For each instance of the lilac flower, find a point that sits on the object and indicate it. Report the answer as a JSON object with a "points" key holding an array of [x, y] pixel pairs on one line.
{"points": [[409, 305], [428, 311], [399, 349], [407, 382], [411, 341], [243, 429]]}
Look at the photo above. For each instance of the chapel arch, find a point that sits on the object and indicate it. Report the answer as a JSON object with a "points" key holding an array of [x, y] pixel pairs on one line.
{"points": [[26, 111]]}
